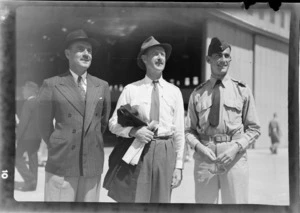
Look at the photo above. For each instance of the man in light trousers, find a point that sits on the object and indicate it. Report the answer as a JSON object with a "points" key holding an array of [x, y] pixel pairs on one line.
{"points": [[222, 124]]}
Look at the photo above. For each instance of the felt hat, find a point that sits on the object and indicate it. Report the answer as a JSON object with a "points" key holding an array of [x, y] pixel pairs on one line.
{"points": [[149, 43]]}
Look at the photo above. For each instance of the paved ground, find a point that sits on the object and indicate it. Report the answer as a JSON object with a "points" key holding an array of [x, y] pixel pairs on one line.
{"points": [[269, 183]]}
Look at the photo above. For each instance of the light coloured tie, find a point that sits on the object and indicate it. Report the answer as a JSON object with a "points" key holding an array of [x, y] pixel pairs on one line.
{"points": [[154, 110], [80, 87]]}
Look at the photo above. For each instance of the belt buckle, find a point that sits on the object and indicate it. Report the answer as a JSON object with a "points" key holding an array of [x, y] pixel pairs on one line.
{"points": [[218, 138]]}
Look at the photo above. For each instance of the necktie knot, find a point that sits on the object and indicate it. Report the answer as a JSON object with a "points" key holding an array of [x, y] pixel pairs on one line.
{"points": [[79, 79], [155, 82], [218, 82]]}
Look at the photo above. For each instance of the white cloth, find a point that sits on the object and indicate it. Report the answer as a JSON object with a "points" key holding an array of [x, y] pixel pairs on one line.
{"points": [[171, 120], [134, 152]]}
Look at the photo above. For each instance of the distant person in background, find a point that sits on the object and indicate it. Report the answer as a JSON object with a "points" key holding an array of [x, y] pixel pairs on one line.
{"points": [[274, 133], [42, 154], [28, 139]]}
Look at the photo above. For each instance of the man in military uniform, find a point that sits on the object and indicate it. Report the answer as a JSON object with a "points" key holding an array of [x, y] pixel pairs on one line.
{"points": [[222, 124]]}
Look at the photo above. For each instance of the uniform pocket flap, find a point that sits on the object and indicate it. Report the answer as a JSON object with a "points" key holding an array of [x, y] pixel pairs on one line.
{"points": [[238, 105], [203, 105]]}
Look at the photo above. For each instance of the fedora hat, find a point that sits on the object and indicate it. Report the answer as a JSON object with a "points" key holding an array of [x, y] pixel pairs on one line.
{"points": [[152, 42], [80, 35]]}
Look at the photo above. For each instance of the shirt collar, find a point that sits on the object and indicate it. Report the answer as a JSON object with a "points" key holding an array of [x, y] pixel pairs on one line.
{"points": [[75, 76], [225, 81], [148, 81]]}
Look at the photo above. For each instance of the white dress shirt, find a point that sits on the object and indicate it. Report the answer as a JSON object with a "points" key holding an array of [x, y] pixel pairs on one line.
{"points": [[171, 118], [83, 81]]}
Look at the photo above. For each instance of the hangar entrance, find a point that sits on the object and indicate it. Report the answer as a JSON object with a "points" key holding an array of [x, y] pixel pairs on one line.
{"points": [[41, 31]]}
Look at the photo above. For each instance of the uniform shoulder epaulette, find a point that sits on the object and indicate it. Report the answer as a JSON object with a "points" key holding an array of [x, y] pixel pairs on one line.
{"points": [[200, 86], [240, 83]]}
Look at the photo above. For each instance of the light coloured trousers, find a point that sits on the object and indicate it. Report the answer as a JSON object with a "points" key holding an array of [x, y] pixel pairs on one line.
{"points": [[72, 189], [155, 178], [233, 184]]}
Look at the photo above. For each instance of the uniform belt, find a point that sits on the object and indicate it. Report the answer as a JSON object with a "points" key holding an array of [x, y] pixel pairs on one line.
{"points": [[164, 137], [219, 138]]}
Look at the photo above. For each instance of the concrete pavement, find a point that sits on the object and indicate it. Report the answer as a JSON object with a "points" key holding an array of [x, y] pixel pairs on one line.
{"points": [[269, 183]]}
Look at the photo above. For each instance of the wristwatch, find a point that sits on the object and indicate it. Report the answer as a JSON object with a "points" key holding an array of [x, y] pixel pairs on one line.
{"points": [[240, 147]]}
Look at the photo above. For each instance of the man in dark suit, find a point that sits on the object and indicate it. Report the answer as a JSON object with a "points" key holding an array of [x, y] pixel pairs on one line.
{"points": [[80, 105], [28, 139]]}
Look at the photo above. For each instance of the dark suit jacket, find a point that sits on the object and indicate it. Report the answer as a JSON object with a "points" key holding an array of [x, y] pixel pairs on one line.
{"points": [[77, 123], [27, 131], [121, 178]]}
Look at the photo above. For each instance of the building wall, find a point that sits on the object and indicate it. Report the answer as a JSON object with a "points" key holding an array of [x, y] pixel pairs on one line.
{"points": [[241, 66], [277, 22], [262, 63], [271, 85]]}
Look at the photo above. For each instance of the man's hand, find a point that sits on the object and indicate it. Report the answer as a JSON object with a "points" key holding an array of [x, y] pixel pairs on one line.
{"points": [[177, 177], [201, 149], [143, 134], [228, 156]]}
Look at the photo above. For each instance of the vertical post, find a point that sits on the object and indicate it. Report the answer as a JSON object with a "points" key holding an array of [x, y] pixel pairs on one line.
{"points": [[293, 110], [253, 65]]}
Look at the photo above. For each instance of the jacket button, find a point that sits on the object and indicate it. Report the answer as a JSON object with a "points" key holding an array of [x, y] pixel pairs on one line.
{"points": [[73, 147], [96, 114], [74, 131], [69, 115]]}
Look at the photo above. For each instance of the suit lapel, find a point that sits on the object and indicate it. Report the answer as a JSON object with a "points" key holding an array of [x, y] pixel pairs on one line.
{"points": [[93, 91], [69, 90]]}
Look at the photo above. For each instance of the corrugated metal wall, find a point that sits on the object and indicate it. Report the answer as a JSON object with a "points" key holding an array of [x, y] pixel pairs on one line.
{"points": [[267, 77], [271, 85]]}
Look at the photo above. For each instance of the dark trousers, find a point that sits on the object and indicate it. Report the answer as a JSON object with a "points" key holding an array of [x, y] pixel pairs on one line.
{"points": [[30, 173], [155, 177]]}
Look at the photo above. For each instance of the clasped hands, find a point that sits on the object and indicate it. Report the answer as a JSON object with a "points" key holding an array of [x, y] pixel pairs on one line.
{"points": [[224, 158]]}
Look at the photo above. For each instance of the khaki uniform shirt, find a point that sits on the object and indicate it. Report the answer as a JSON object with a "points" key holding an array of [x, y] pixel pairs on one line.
{"points": [[237, 112]]}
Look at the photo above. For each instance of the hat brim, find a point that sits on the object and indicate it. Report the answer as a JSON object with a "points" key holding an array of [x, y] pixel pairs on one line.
{"points": [[95, 44], [167, 48]]}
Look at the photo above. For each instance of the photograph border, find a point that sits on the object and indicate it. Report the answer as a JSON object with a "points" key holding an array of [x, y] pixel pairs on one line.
{"points": [[8, 108]]}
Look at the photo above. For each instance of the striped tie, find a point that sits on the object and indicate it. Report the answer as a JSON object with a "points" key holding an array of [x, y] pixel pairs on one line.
{"points": [[80, 87]]}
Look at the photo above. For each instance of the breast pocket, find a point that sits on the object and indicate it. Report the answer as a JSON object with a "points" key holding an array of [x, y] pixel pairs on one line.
{"points": [[142, 105], [203, 108], [233, 109], [170, 104], [99, 102]]}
